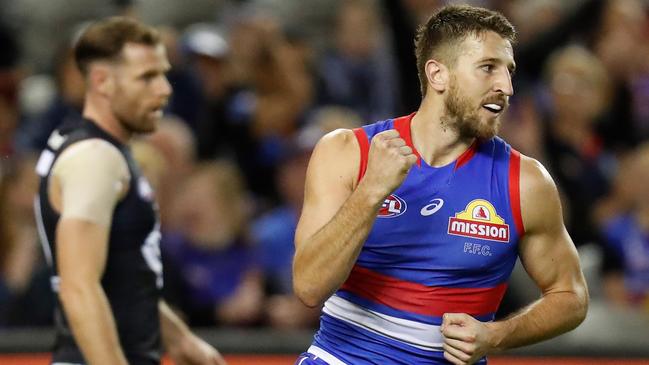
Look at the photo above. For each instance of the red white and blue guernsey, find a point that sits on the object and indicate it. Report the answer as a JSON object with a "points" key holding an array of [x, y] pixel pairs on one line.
{"points": [[445, 241]]}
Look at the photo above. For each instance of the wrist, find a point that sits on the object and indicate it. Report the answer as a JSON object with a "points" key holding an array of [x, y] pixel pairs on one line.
{"points": [[497, 332], [371, 194]]}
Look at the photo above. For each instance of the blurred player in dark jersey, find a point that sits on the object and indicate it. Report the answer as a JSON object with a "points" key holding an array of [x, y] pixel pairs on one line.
{"points": [[97, 215]]}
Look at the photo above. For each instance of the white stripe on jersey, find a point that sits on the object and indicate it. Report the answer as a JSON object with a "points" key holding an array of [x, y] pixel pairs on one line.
{"points": [[421, 335], [324, 355]]}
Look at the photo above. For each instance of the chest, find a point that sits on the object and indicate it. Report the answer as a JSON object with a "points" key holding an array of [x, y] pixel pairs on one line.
{"points": [[445, 219]]}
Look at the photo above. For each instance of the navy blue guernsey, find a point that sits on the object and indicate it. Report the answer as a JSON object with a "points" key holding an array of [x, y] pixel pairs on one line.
{"points": [[132, 277]]}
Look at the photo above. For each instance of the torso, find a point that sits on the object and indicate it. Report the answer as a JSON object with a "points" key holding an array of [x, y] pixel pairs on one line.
{"points": [[445, 241], [132, 277]]}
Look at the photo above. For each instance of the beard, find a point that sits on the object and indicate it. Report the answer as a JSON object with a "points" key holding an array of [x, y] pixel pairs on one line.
{"points": [[464, 118], [135, 123]]}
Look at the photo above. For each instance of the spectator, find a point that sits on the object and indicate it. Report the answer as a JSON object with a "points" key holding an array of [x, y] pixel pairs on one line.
{"points": [[621, 44], [175, 143], [216, 278], [575, 154], [626, 277], [257, 89], [19, 251], [274, 232], [359, 71]]}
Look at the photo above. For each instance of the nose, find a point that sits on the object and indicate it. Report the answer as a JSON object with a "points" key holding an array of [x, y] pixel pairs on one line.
{"points": [[164, 87], [503, 83]]}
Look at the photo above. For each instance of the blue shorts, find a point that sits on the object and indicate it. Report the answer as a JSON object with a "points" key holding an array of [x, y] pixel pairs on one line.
{"points": [[309, 359]]}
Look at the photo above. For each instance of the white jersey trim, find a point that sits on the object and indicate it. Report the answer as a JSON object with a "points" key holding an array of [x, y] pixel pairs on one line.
{"points": [[324, 355], [421, 335]]}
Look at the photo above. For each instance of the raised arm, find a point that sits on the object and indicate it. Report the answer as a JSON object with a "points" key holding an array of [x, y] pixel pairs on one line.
{"points": [[550, 258], [337, 215], [87, 181]]}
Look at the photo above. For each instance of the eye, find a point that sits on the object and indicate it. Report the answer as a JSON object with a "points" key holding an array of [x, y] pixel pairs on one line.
{"points": [[148, 76], [488, 68]]}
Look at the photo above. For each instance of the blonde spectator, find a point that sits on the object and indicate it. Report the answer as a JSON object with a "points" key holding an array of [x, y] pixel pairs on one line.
{"points": [[212, 266]]}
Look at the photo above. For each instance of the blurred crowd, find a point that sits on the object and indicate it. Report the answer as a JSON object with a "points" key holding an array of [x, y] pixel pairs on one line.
{"points": [[258, 82]]}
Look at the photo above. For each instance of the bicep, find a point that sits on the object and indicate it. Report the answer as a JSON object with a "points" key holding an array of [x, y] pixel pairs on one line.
{"points": [[91, 176], [329, 181], [81, 250], [546, 250]]}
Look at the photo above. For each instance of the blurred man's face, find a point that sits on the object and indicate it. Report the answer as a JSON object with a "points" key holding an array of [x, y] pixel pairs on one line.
{"points": [[480, 85], [141, 88]]}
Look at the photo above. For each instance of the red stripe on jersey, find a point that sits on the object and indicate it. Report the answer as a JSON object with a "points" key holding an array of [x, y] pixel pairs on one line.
{"points": [[402, 125], [364, 144], [421, 299], [514, 190], [467, 155]]}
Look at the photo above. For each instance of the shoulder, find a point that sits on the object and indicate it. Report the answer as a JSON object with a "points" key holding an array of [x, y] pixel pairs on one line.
{"points": [[338, 142], [540, 204], [335, 159], [91, 155], [534, 176], [93, 149]]}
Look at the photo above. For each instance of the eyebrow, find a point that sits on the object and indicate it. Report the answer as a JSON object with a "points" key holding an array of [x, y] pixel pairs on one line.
{"points": [[153, 72], [511, 66]]}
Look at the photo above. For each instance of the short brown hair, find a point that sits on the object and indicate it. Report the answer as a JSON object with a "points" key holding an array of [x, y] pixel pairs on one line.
{"points": [[450, 25], [105, 39]]}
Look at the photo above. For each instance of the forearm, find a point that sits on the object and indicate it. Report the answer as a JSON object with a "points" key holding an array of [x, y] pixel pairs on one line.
{"points": [[323, 261], [91, 320], [171, 326], [550, 316]]}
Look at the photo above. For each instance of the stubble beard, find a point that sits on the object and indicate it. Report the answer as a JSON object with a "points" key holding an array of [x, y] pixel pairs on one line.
{"points": [[462, 117], [135, 124]]}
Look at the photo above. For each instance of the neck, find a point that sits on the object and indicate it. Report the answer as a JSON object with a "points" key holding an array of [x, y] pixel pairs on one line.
{"points": [[438, 144], [98, 110]]}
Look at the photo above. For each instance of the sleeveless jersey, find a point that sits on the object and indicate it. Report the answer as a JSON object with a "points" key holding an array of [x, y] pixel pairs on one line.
{"points": [[132, 277], [445, 241]]}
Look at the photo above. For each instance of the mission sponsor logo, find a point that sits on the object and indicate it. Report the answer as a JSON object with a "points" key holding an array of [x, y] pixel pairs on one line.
{"points": [[479, 220], [393, 206]]}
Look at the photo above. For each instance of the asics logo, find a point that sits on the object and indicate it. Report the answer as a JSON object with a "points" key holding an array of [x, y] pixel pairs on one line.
{"points": [[432, 208]]}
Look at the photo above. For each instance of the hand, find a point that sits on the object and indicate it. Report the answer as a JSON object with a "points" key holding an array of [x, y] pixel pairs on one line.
{"points": [[191, 350], [466, 340], [388, 163]]}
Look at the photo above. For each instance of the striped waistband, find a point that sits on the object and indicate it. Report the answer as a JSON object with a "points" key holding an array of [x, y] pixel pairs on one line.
{"points": [[421, 335]]}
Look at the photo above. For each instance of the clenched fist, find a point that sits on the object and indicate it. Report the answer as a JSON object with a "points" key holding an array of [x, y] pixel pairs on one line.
{"points": [[466, 340], [388, 163]]}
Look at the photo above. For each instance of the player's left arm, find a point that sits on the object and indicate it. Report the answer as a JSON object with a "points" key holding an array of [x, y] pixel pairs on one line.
{"points": [[183, 346], [550, 258]]}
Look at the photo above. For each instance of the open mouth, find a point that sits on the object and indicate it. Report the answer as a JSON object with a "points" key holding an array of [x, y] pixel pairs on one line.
{"points": [[493, 107]]}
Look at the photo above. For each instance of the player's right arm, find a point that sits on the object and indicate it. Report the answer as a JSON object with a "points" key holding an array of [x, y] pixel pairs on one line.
{"points": [[337, 215], [86, 183]]}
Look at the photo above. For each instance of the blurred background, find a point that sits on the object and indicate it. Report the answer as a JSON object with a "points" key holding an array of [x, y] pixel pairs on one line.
{"points": [[258, 82]]}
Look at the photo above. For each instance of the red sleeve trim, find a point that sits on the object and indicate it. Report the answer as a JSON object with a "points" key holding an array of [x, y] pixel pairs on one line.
{"points": [[364, 144], [514, 190]]}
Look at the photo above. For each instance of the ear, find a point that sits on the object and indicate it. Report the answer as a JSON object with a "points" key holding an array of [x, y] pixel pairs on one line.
{"points": [[437, 75], [102, 79]]}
